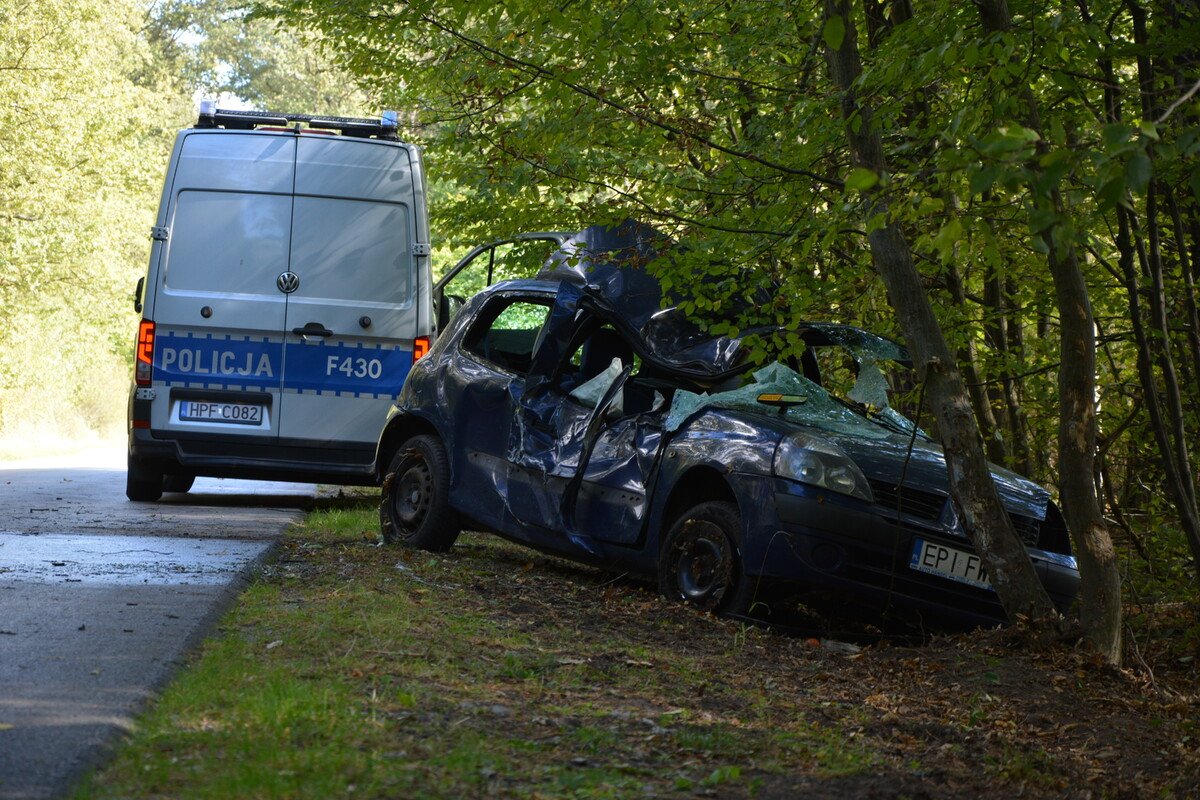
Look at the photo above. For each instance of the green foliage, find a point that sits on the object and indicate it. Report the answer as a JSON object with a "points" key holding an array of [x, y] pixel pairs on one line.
{"points": [[83, 141], [91, 95], [217, 48], [718, 123]]}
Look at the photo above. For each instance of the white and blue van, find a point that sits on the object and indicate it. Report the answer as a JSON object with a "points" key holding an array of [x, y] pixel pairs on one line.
{"points": [[288, 295]]}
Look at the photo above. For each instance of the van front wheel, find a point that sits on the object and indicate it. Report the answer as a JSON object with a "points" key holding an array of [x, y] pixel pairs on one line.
{"points": [[142, 482], [414, 507]]}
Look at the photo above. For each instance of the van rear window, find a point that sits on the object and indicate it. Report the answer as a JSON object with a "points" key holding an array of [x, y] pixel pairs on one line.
{"points": [[352, 250], [228, 241]]}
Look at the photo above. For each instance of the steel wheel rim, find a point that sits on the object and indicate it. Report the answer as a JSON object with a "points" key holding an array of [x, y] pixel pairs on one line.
{"points": [[700, 570], [414, 493]]}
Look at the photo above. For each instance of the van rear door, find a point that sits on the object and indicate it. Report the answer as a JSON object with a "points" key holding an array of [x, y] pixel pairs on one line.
{"points": [[218, 354], [353, 315]]}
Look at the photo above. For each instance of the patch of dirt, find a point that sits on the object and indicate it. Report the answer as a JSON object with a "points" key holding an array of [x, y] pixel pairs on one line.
{"points": [[973, 713], [590, 672]]}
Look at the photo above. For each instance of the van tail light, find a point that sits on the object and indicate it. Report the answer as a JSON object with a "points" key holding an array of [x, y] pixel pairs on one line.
{"points": [[420, 347], [145, 353]]}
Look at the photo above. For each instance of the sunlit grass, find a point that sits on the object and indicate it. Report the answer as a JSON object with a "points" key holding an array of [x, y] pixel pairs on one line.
{"points": [[350, 669], [340, 673]]}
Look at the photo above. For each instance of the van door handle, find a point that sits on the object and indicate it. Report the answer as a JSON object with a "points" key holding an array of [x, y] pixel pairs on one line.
{"points": [[313, 329]]}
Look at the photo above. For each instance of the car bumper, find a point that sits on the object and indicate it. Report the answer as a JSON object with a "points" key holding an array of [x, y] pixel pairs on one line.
{"points": [[825, 541]]}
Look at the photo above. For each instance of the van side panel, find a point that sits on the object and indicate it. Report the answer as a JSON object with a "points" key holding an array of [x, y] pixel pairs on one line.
{"points": [[353, 228], [423, 265], [219, 314]]}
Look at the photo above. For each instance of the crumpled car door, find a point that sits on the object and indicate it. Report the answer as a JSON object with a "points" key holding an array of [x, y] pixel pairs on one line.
{"points": [[577, 471], [608, 496], [545, 434]]}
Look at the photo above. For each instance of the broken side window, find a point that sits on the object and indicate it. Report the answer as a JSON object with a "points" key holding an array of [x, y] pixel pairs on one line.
{"points": [[506, 335]]}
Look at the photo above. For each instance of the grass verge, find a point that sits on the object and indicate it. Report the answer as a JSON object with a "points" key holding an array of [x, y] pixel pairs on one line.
{"points": [[352, 670]]}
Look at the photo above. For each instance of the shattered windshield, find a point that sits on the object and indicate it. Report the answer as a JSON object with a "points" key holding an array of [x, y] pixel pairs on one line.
{"points": [[855, 401]]}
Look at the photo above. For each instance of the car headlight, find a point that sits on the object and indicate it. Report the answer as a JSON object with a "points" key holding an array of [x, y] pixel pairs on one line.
{"points": [[818, 462]]}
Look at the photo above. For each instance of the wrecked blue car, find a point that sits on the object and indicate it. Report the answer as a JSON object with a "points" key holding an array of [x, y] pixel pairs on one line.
{"points": [[575, 414]]}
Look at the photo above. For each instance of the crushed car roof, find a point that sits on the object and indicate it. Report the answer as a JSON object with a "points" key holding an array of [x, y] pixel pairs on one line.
{"points": [[609, 265]]}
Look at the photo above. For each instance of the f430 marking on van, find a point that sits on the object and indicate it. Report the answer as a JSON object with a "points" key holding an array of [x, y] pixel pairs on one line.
{"points": [[319, 367], [377, 370]]}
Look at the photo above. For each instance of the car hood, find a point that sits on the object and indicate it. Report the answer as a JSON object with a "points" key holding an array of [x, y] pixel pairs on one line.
{"points": [[885, 459], [884, 444]]}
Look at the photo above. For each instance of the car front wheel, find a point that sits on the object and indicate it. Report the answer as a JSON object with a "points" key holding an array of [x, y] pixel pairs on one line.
{"points": [[700, 564], [414, 509]]}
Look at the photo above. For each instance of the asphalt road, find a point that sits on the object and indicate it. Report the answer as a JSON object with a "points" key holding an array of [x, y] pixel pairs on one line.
{"points": [[101, 598]]}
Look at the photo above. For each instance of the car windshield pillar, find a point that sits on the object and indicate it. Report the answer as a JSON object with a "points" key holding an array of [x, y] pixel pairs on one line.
{"points": [[554, 339]]}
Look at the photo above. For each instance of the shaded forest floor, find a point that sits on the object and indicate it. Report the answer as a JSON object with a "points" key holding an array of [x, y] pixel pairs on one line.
{"points": [[355, 670]]}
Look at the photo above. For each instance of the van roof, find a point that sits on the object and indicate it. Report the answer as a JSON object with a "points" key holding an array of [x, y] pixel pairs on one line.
{"points": [[382, 128]]}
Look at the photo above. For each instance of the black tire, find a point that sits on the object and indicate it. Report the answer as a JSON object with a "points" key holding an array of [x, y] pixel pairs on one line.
{"points": [[178, 482], [414, 509], [700, 563], [143, 483]]}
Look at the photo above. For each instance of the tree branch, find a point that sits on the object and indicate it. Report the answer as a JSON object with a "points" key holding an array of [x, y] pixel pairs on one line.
{"points": [[543, 72]]}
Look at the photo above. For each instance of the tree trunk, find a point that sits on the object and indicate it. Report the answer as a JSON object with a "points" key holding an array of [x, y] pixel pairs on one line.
{"points": [[1001, 339], [1188, 256], [969, 360], [1173, 438], [971, 484], [1014, 385], [1100, 589]]}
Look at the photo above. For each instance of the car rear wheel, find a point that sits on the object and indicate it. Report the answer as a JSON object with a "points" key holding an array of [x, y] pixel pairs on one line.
{"points": [[414, 509], [178, 482], [700, 563], [143, 482]]}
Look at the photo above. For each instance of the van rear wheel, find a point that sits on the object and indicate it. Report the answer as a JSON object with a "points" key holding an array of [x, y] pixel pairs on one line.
{"points": [[414, 507], [178, 482], [143, 483]]}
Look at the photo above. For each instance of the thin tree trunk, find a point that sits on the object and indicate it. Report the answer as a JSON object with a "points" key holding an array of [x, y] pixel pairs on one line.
{"points": [[1014, 384], [1161, 342], [1002, 339], [1100, 589], [1189, 283], [969, 359], [971, 484], [1174, 428]]}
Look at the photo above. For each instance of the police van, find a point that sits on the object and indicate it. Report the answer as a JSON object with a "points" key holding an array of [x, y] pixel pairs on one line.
{"points": [[288, 295]]}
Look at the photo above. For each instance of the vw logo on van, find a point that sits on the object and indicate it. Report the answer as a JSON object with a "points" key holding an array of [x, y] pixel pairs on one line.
{"points": [[288, 282]]}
